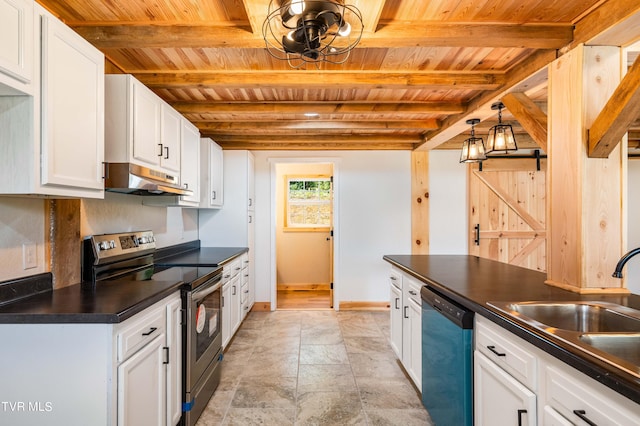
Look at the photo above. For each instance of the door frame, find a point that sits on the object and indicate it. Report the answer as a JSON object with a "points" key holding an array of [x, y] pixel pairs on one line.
{"points": [[273, 222]]}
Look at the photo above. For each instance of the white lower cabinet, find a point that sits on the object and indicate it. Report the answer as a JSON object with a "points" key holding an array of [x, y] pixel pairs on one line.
{"points": [[406, 323], [142, 392], [396, 313], [102, 374], [231, 300], [512, 375], [499, 398]]}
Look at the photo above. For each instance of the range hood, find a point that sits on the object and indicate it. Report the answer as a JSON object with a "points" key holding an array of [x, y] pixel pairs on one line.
{"points": [[128, 178]]}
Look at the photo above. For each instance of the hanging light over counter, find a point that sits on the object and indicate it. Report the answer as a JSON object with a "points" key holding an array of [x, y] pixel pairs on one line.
{"points": [[311, 31], [501, 136], [473, 147]]}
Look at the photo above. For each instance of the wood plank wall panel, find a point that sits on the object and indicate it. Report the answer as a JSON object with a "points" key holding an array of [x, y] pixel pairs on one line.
{"points": [[419, 203], [64, 241]]}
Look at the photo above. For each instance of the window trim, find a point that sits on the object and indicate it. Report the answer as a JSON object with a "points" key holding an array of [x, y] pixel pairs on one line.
{"points": [[300, 228]]}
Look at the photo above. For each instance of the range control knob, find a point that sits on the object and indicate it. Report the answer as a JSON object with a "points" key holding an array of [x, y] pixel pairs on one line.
{"points": [[143, 240], [104, 245]]}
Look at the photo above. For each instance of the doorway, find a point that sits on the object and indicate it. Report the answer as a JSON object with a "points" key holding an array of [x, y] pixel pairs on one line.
{"points": [[304, 235]]}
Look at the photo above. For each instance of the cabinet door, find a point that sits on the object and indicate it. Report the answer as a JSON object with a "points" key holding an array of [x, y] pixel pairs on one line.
{"points": [[215, 175], [190, 170], [141, 386], [553, 418], [396, 320], [226, 314], [499, 399], [174, 368], [72, 122], [171, 136], [236, 308], [251, 202], [415, 366], [16, 39], [147, 147]]}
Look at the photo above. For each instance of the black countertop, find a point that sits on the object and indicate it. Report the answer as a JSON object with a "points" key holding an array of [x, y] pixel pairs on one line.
{"points": [[202, 256], [472, 282], [109, 302], [32, 299]]}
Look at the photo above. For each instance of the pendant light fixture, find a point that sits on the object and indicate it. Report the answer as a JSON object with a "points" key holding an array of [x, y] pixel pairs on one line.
{"points": [[472, 148], [311, 31], [501, 136]]}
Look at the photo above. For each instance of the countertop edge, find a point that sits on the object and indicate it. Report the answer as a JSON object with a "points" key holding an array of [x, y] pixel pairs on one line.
{"points": [[604, 373]]}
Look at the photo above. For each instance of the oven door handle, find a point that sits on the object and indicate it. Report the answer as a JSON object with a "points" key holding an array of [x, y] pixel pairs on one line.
{"points": [[198, 295]]}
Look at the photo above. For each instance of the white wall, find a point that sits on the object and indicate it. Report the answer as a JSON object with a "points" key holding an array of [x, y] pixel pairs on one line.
{"points": [[632, 272], [373, 215], [22, 220], [447, 203], [124, 212]]}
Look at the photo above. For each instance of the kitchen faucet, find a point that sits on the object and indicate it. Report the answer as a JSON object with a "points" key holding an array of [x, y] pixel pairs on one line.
{"points": [[618, 272]]}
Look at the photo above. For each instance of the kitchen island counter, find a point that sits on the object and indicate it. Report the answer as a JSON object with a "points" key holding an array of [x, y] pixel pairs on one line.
{"points": [[472, 282]]}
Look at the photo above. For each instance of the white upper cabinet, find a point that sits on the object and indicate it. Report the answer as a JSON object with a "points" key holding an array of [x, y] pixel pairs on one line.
{"points": [[141, 128], [72, 108], [146, 148], [190, 176], [172, 128], [16, 46], [53, 142], [211, 165]]}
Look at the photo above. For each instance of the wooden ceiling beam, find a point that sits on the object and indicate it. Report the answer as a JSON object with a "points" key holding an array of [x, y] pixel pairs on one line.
{"points": [[466, 34], [529, 115], [621, 110], [326, 146], [298, 138], [295, 125], [293, 79], [250, 108], [122, 35]]}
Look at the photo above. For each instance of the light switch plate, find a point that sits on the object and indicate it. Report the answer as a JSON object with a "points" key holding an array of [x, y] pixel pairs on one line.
{"points": [[29, 259]]}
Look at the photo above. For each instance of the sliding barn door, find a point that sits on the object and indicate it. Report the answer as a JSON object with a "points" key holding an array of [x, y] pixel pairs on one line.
{"points": [[507, 212]]}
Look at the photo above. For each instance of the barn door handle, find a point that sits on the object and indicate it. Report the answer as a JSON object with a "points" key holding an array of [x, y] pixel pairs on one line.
{"points": [[477, 239]]}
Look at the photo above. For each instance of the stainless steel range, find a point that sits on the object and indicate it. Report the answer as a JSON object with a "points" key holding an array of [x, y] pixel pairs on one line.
{"points": [[131, 256]]}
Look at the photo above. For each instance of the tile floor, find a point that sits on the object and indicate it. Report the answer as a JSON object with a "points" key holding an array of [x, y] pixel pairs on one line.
{"points": [[313, 368]]}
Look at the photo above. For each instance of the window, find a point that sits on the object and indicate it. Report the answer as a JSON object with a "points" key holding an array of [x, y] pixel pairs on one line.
{"points": [[308, 203]]}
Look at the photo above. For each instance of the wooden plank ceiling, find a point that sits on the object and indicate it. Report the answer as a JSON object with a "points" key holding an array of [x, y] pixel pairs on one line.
{"points": [[420, 66]]}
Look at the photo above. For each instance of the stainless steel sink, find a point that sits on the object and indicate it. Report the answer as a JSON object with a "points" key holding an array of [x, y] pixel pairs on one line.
{"points": [[605, 330], [623, 346], [587, 317]]}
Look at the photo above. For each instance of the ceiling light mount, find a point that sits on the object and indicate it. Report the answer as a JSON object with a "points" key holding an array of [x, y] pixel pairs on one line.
{"points": [[501, 137], [311, 31], [473, 147]]}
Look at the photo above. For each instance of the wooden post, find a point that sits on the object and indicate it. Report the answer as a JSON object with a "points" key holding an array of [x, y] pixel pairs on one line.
{"points": [[585, 208], [420, 202]]}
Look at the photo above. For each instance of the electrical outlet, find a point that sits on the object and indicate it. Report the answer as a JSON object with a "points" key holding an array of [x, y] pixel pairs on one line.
{"points": [[29, 259]]}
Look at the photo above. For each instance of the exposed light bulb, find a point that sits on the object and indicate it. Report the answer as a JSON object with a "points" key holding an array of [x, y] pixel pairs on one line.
{"points": [[296, 7], [345, 29], [290, 35]]}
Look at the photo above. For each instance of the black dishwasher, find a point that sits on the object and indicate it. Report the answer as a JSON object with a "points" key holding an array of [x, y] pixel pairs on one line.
{"points": [[447, 359]]}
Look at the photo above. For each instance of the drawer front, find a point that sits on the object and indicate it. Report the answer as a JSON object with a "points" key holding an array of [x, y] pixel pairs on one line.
{"points": [[580, 401], [413, 290], [231, 270], [395, 278], [244, 292], [141, 332], [507, 352]]}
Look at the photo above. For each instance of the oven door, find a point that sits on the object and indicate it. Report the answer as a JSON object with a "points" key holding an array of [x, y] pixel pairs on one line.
{"points": [[204, 337]]}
